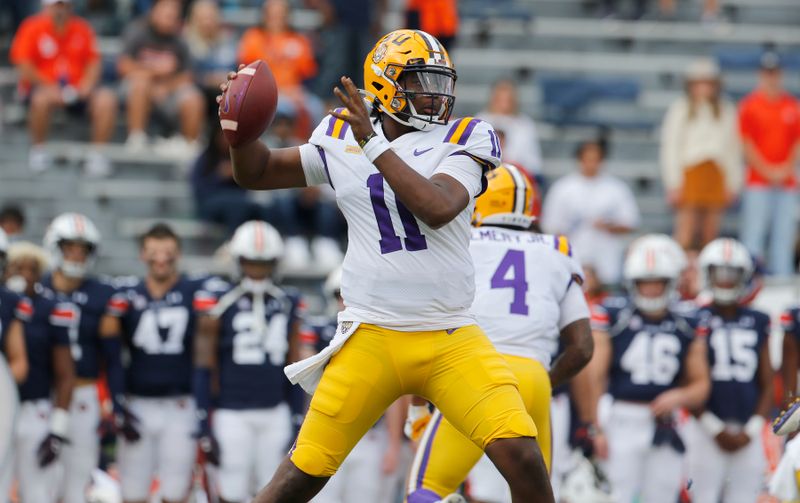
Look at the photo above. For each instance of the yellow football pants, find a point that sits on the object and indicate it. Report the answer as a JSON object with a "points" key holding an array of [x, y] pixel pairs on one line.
{"points": [[459, 371], [445, 456]]}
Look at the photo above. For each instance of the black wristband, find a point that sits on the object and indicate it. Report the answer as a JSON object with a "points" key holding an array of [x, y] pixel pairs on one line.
{"points": [[363, 141]]}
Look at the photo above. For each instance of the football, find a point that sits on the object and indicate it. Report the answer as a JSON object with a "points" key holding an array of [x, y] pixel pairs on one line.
{"points": [[248, 105]]}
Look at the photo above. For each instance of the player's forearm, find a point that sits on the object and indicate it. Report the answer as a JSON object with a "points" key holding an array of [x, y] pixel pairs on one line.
{"points": [[15, 351], [694, 394], [250, 164], [582, 390], [789, 365], [425, 198], [578, 350], [64, 377]]}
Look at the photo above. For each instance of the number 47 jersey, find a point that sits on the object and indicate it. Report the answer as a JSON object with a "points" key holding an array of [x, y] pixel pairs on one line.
{"points": [[398, 272]]}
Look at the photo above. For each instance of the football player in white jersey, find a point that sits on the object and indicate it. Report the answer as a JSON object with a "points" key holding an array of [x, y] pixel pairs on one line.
{"points": [[405, 177], [528, 296]]}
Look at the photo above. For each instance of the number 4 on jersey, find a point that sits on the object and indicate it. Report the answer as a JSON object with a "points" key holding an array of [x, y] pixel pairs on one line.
{"points": [[513, 262]]}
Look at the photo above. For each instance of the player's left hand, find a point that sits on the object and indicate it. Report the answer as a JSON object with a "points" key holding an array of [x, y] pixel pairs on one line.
{"points": [[49, 449], [356, 113]]}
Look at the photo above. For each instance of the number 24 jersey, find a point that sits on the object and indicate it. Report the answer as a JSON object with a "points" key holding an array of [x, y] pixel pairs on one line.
{"points": [[398, 272]]}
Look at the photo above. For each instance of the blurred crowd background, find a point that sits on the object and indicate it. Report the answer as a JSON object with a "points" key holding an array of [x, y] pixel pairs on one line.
{"points": [[633, 117], [672, 116]]}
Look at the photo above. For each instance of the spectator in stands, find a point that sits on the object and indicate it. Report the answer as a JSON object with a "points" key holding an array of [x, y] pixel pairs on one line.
{"points": [[218, 198], [56, 55], [156, 67], [212, 48], [769, 120], [595, 210], [290, 57], [349, 29], [521, 142], [437, 17], [700, 156], [12, 221]]}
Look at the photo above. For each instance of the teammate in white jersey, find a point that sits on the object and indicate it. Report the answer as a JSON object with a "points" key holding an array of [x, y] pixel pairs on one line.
{"points": [[528, 296], [405, 177]]}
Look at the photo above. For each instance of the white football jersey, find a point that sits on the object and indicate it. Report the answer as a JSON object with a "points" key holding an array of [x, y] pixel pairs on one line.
{"points": [[398, 272], [525, 290]]}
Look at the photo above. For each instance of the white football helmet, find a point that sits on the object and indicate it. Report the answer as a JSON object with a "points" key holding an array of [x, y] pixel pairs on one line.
{"points": [[728, 260], [72, 227], [333, 284], [654, 256], [256, 240], [585, 483]]}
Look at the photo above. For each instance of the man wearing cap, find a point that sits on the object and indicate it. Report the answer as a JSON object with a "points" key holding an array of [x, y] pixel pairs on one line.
{"points": [[59, 64], [769, 121]]}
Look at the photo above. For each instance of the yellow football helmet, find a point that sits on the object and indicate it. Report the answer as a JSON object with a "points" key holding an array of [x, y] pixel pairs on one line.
{"points": [[510, 199], [422, 64]]}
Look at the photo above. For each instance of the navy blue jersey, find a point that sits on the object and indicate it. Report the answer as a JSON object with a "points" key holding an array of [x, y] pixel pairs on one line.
{"points": [[89, 303], [648, 356], [251, 364], [318, 331], [158, 334], [46, 329], [734, 351], [12, 307]]}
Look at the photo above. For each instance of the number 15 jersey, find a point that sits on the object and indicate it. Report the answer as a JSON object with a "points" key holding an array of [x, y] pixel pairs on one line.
{"points": [[399, 273]]}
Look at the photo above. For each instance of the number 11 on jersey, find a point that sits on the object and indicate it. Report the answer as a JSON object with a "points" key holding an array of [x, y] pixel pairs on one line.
{"points": [[390, 241]]}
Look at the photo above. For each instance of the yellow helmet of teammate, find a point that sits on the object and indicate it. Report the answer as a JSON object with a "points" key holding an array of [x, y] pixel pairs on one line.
{"points": [[510, 199], [426, 70]]}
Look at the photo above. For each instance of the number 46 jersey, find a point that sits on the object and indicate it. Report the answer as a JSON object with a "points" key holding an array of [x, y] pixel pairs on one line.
{"points": [[527, 290], [398, 272]]}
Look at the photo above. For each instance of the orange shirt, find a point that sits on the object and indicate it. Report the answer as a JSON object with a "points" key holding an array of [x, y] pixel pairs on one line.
{"points": [[437, 17], [288, 55], [55, 56], [773, 127]]}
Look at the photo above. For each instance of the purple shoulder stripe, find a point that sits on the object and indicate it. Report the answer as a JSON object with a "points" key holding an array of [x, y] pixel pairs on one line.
{"points": [[468, 131], [325, 163]]}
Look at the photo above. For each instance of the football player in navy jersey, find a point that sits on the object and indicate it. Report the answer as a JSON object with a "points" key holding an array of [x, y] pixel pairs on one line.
{"points": [[244, 339], [726, 456], [72, 241], [13, 311], [43, 422], [157, 322], [650, 361]]}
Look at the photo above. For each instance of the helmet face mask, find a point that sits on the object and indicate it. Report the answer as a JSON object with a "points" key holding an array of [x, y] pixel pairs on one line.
{"points": [[727, 283], [257, 270], [430, 90], [652, 295], [726, 268], [72, 241]]}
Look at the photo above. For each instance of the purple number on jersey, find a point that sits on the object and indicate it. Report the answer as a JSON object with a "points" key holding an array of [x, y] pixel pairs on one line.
{"points": [[390, 241], [513, 259]]}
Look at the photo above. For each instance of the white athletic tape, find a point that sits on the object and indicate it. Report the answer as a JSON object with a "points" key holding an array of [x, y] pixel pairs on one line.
{"points": [[247, 71], [229, 125]]}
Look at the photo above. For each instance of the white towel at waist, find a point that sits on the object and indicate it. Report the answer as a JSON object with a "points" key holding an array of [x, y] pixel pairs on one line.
{"points": [[308, 372]]}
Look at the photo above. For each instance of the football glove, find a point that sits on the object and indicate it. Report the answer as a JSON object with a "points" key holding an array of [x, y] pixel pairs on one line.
{"points": [[416, 421], [127, 425], [49, 449]]}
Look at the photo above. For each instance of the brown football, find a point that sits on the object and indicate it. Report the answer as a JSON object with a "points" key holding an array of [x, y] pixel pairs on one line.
{"points": [[248, 105]]}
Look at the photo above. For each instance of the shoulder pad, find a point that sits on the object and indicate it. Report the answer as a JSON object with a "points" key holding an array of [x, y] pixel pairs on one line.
{"points": [[478, 139], [330, 127]]}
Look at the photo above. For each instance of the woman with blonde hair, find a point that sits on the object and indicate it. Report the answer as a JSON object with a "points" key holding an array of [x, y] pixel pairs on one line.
{"points": [[700, 156]]}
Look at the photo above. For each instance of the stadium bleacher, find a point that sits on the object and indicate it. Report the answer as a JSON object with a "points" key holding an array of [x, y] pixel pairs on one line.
{"points": [[624, 75]]}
